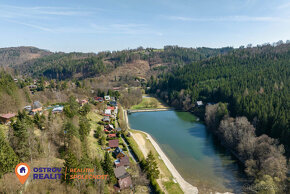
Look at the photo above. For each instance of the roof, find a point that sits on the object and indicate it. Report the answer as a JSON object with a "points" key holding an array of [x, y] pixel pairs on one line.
{"points": [[118, 150], [99, 98], [60, 108], [120, 172], [114, 103], [8, 115], [107, 111], [111, 107], [125, 182], [124, 161], [113, 143], [119, 129], [199, 103], [36, 105], [112, 135], [37, 109]]}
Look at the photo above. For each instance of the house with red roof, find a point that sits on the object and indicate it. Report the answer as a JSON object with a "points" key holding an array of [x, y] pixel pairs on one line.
{"points": [[99, 99], [112, 135], [6, 118]]}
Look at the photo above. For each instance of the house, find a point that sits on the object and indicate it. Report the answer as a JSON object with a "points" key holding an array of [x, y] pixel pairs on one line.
{"points": [[27, 108], [36, 110], [106, 119], [125, 182], [124, 161], [57, 109], [116, 88], [113, 103], [113, 143], [199, 103], [113, 109], [83, 102], [107, 98], [124, 179], [112, 135], [119, 129], [120, 172], [107, 148], [119, 153], [99, 99], [109, 127], [16, 80], [6, 118], [108, 111], [36, 105]]}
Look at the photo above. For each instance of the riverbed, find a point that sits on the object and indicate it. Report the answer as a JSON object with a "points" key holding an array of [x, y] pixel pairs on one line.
{"points": [[195, 153]]}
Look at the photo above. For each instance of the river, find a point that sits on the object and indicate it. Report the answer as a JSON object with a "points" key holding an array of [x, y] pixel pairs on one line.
{"points": [[195, 153]]}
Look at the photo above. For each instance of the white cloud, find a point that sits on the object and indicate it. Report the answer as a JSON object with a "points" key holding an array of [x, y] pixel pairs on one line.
{"points": [[231, 19], [16, 11], [128, 29]]}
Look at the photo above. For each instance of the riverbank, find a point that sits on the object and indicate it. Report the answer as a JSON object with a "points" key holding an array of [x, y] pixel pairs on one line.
{"points": [[149, 110], [185, 186]]}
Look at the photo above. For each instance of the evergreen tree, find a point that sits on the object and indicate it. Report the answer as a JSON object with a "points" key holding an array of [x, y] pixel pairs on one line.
{"points": [[8, 158], [19, 139], [151, 167], [108, 168], [71, 162], [85, 127]]}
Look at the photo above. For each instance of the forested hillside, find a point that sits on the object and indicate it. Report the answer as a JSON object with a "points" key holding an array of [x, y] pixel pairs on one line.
{"points": [[63, 66], [18, 55], [11, 97], [254, 81]]}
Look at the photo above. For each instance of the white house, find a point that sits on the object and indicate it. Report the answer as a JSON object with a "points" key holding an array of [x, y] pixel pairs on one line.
{"points": [[199, 103], [107, 98], [108, 112]]}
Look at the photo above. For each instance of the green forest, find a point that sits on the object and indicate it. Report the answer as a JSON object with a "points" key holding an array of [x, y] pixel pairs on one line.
{"points": [[254, 81]]}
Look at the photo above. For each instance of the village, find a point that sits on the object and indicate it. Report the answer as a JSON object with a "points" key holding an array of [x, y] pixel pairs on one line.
{"points": [[114, 143]]}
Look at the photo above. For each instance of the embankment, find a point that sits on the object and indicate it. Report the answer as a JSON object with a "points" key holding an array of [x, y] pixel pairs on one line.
{"points": [[185, 186]]}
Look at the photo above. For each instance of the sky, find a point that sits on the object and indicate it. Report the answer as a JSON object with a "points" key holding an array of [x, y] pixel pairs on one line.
{"points": [[95, 25]]}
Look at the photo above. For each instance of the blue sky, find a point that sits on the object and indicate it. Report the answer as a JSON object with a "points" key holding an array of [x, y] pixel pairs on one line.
{"points": [[93, 25]]}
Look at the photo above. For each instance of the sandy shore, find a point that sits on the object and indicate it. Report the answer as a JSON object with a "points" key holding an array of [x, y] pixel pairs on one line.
{"points": [[185, 186]]}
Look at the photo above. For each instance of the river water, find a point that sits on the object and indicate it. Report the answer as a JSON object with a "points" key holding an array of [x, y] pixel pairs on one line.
{"points": [[192, 149]]}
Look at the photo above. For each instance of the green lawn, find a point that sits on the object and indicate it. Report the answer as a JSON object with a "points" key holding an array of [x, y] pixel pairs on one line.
{"points": [[166, 177], [149, 103]]}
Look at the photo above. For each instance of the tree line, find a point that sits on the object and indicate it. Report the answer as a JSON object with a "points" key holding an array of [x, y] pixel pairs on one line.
{"points": [[254, 81], [262, 156]]}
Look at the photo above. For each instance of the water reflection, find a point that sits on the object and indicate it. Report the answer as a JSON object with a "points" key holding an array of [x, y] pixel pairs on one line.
{"points": [[193, 150]]}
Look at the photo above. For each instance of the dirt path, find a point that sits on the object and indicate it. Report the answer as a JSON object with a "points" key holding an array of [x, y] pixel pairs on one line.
{"points": [[141, 142]]}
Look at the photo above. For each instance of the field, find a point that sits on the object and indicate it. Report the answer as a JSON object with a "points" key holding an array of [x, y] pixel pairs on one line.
{"points": [[149, 102]]}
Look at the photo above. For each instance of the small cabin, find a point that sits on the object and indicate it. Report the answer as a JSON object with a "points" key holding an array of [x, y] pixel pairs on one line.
{"points": [[6, 118]]}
